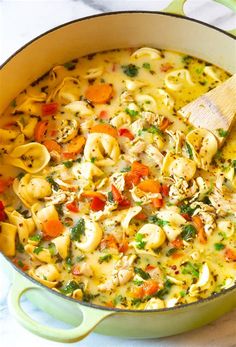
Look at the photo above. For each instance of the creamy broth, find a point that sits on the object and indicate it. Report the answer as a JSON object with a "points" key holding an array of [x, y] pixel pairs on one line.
{"points": [[107, 195]]}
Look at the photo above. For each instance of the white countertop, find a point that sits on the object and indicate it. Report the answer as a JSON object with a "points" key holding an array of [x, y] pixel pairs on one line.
{"points": [[20, 21]]}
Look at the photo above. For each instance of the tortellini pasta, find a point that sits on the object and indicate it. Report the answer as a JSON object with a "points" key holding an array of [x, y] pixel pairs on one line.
{"points": [[152, 235], [180, 167], [7, 239], [152, 53], [62, 244], [174, 223], [47, 274], [94, 73], [204, 146], [31, 157], [30, 189], [25, 226], [41, 214], [9, 139], [67, 90], [103, 147], [27, 126], [67, 129], [203, 281], [79, 107], [176, 79], [42, 254]]}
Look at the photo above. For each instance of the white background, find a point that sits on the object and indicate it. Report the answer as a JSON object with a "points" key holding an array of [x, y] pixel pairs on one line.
{"points": [[20, 21]]}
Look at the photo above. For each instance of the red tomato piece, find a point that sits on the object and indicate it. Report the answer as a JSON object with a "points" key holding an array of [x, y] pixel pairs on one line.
{"points": [[126, 133], [49, 109]]}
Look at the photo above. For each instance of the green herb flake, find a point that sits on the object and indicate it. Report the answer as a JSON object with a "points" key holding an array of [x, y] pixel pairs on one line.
{"points": [[140, 244], [54, 184], [189, 150], [80, 258], [154, 130], [20, 175], [105, 258], [36, 238], [141, 273], [20, 263], [182, 293], [222, 132], [13, 103], [187, 59], [93, 159], [110, 197], [137, 282], [37, 250], [188, 232], [71, 287], [171, 251], [78, 230], [52, 248], [147, 66], [68, 164], [20, 248], [136, 301], [120, 300], [70, 65], [155, 220], [190, 269], [219, 246], [186, 209], [130, 70], [131, 113], [59, 208], [165, 290], [68, 263], [126, 169]]}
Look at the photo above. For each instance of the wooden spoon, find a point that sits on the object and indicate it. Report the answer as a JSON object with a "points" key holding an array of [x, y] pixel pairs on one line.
{"points": [[215, 110]]}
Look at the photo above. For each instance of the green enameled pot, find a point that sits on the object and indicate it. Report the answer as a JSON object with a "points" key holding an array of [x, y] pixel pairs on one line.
{"points": [[92, 34]]}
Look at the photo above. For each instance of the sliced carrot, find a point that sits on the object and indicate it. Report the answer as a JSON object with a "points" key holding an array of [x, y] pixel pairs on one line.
{"points": [[158, 202], [5, 183], [91, 194], [164, 124], [176, 255], [165, 190], [177, 243], [69, 155], [150, 186], [123, 246], [109, 241], [97, 204], [40, 130], [105, 129], [150, 287], [116, 194], [99, 93], [141, 216], [139, 169], [53, 227], [200, 229], [103, 115], [131, 178], [230, 254], [75, 146], [52, 146]]}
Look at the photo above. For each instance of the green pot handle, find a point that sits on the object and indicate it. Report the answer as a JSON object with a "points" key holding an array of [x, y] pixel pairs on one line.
{"points": [[177, 7], [91, 317]]}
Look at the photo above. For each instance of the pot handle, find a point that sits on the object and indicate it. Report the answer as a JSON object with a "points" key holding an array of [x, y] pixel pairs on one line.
{"points": [[91, 317], [177, 7]]}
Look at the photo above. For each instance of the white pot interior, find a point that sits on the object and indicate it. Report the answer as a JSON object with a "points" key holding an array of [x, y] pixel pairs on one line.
{"points": [[114, 31]]}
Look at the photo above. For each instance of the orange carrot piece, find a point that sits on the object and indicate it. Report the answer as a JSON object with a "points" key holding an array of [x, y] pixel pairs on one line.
{"points": [[141, 216], [75, 146], [91, 194], [150, 287], [157, 202], [164, 124], [139, 169], [40, 130], [177, 243], [150, 186], [105, 129], [53, 227], [99, 93], [230, 254], [109, 241], [52, 146], [200, 228], [123, 246], [131, 178]]}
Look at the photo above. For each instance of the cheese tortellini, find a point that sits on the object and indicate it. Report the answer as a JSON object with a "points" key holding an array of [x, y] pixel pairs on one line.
{"points": [[7, 239], [31, 157], [180, 167], [92, 237], [25, 226]]}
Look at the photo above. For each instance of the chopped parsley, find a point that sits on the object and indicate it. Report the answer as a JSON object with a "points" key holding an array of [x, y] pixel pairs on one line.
{"points": [[110, 197], [130, 70], [52, 248], [20, 248], [165, 290], [222, 132], [136, 301], [189, 150], [68, 264], [185, 208], [68, 164], [80, 258], [20, 175], [186, 59], [154, 130], [105, 258], [59, 208], [36, 238], [219, 246], [141, 273], [37, 250], [171, 251], [131, 113], [54, 184], [155, 220], [13, 103], [126, 169], [93, 159], [78, 230], [140, 244], [146, 66], [71, 287], [120, 300], [137, 282], [188, 232], [190, 269], [70, 65]]}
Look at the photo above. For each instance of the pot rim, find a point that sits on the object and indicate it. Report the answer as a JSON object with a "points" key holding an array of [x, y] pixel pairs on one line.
{"points": [[88, 304], [58, 27]]}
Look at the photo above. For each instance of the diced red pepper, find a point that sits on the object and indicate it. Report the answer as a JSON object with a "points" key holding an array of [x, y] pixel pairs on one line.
{"points": [[49, 109], [109, 241], [140, 169], [149, 268], [125, 203], [157, 202], [72, 206], [141, 216], [103, 115], [126, 133], [230, 254], [116, 194], [3, 215], [123, 246], [166, 67], [186, 216], [165, 190], [97, 204], [177, 243], [131, 178]]}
